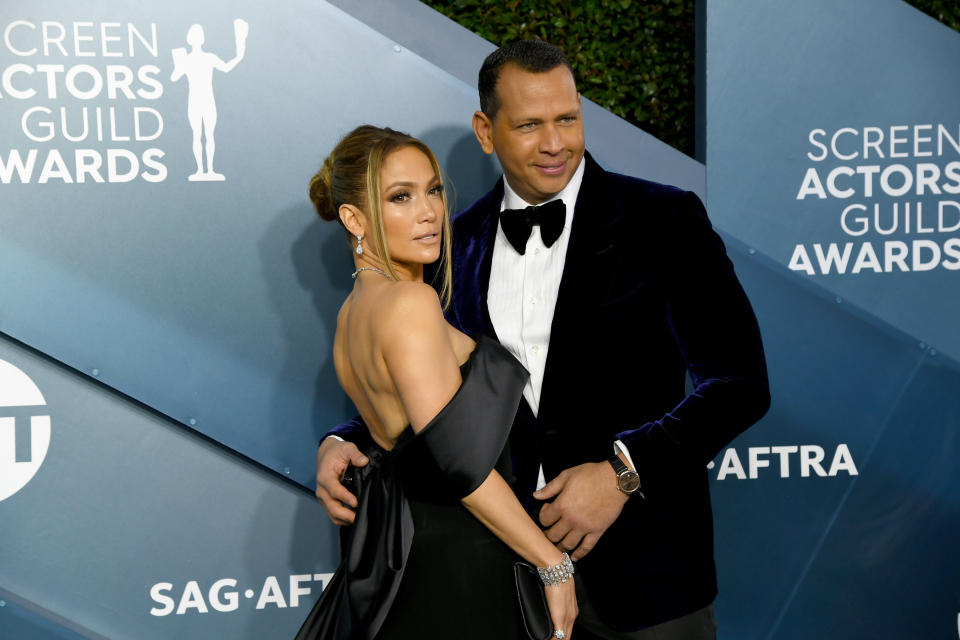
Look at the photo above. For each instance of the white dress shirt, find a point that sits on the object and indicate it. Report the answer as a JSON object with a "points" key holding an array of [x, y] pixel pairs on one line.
{"points": [[522, 293]]}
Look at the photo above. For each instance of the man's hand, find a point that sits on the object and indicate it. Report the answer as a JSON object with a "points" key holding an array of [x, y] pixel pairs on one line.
{"points": [[333, 458], [587, 502]]}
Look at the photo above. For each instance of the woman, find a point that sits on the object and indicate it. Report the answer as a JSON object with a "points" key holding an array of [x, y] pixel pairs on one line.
{"points": [[438, 405]]}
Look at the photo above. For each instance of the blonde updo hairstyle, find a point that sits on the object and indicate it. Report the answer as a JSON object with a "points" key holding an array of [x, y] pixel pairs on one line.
{"points": [[351, 175]]}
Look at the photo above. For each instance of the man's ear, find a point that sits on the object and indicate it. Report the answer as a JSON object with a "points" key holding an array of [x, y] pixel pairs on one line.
{"points": [[483, 129], [353, 219]]}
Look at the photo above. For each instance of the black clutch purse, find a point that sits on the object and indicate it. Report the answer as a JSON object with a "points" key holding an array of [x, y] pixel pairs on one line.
{"points": [[533, 602]]}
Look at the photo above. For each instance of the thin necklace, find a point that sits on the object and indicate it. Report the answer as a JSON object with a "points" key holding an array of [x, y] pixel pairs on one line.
{"points": [[380, 271]]}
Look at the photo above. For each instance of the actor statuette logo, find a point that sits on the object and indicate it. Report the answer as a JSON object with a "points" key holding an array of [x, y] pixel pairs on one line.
{"points": [[197, 66], [24, 429]]}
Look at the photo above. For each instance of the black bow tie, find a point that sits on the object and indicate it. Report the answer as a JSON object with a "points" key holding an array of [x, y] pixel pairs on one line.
{"points": [[517, 223]]}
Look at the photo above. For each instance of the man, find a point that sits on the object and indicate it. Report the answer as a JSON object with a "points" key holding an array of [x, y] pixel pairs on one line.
{"points": [[608, 301]]}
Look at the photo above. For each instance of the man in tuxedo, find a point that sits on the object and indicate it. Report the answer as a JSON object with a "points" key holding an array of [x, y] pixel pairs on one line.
{"points": [[609, 289]]}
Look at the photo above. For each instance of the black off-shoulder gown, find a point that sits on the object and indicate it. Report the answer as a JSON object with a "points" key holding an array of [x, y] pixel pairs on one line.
{"points": [[416, 563]]}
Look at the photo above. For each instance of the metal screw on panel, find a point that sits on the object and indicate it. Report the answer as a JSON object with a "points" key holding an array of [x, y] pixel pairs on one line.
{"points": [[95, 372], [933, 353], [839, 299], [193, 421], [286, 470], [923, 346], [751, 251], [397, 48]]}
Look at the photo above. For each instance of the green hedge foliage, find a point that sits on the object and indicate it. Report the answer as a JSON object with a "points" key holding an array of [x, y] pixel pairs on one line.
{"points": [[636, 58], [946, 11]]}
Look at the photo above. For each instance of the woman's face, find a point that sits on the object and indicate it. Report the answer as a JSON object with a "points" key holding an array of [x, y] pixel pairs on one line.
{"points": [[412, 206]]}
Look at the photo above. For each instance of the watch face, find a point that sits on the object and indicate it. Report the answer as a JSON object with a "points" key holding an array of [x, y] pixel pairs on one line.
{"points": [[629, 481]]}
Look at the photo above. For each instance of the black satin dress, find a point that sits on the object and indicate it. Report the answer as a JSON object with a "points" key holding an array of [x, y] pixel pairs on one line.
{"points": [[416, 563]]}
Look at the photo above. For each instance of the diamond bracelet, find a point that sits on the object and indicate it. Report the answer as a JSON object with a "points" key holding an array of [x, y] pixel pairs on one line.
{"points": [[552, 576]]}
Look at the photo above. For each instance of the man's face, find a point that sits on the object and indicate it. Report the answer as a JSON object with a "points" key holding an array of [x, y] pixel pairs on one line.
{"points": [[538, 131]]}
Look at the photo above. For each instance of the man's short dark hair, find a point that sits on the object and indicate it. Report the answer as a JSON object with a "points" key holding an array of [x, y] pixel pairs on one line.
{"points": [[535, 56]]}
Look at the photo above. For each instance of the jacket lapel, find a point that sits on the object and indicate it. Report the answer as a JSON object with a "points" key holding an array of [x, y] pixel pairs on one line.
{"points": [[589, 260], [474, 233]]}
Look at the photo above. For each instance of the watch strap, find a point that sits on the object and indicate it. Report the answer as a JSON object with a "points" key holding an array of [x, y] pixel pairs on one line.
{"points": [[618, 464]]}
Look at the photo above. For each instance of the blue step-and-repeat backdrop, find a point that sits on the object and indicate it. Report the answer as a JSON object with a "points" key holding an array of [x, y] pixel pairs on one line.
{"points": [[167, 302], [833, 151]]}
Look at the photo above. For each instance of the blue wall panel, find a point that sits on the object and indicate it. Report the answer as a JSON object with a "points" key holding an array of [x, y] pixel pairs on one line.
{"points": [[860, 70], [866, 360], [17, 622], [890, 557], [126, 500]]}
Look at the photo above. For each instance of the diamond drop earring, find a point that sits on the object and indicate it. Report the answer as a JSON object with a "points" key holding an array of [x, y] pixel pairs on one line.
{"points": [[359, 244]]}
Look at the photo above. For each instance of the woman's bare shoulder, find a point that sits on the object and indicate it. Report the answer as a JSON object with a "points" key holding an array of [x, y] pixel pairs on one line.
{"points": [[417, 352], [410, 316], [344, 310], [410, 304], [412, 293]]}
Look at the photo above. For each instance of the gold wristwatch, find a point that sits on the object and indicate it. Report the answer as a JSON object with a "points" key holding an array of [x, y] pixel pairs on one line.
{"points": [[628, 480]]}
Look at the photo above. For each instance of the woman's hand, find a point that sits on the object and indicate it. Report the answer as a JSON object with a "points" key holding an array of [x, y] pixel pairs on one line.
{"points": [[562, 601]]}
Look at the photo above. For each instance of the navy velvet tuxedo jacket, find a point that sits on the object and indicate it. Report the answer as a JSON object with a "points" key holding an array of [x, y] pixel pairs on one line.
{"points": [[647, 294]]}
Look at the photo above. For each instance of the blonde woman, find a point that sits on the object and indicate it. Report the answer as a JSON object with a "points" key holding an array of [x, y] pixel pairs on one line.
{"points": [[437, 526]]}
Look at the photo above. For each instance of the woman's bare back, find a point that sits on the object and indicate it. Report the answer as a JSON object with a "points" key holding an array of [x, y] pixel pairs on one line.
{"points": [[377, 321]]}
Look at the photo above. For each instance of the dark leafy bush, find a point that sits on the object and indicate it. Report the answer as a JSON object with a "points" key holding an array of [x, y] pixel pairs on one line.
{"points": [[636, 58]]}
